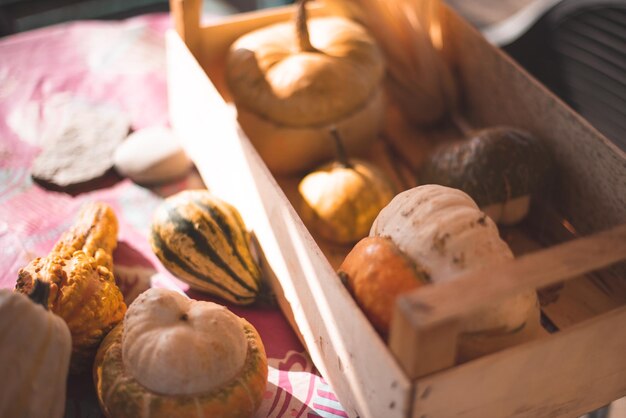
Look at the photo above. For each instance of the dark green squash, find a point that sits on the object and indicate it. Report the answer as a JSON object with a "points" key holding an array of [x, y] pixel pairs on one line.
{"points": [[203, 241], [500, 168]]}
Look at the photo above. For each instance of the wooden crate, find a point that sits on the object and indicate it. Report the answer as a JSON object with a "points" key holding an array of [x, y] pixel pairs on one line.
{"points": [[566, 373]]}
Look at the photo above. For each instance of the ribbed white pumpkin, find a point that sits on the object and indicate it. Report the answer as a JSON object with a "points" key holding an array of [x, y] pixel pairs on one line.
{"points": [[199, 345], [173, 356], [293, 82], [445, 233], [35, 347]]}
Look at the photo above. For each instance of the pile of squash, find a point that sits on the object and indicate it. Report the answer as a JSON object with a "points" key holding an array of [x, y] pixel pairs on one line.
{"points": [[167, 355], [309, 94], [164, 355]]}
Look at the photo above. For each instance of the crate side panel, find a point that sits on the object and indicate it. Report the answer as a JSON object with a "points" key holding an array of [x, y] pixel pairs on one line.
{"points": [[564, 375], [589, 181]]}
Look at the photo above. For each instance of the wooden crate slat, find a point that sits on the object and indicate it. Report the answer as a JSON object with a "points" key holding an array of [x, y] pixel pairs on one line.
{"points": [[458, 297], [564, 375], [427, 311]]}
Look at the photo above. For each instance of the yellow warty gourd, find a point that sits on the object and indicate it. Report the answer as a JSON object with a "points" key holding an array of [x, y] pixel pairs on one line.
{"points": [[82, 287]]}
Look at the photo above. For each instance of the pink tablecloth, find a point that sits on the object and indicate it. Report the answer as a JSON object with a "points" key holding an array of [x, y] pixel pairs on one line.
{"points": [[119, 64]]}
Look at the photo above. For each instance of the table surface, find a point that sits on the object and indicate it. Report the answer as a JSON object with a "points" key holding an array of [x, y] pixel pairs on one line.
{"points": [[46, 73]]}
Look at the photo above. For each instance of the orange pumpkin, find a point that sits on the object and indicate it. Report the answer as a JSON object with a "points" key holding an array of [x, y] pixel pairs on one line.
{"points": [[377, 272]]}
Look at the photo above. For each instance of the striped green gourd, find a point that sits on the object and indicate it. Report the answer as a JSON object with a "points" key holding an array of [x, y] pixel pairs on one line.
{"points": [[202, 240]]}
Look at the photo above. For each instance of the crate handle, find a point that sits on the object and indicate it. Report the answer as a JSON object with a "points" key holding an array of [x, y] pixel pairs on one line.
{"points": [[186, 19], [426, 322]]}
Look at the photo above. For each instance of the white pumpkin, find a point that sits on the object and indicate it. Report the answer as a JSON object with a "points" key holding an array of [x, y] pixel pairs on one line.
{"points": [[35, 346], [173, 356], [201, 345], [444, 232]]}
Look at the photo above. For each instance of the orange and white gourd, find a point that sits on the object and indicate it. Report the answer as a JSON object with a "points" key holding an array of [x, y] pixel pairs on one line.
{"points": [[444, 232], [173, 356]]}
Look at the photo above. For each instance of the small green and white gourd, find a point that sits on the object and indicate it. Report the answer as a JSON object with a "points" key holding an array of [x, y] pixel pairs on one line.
{"points": [[203, 241]]}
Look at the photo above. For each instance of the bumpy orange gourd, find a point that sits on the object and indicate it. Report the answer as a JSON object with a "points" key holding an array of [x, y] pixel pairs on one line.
{"points": [[82, 287], [203, 361]]}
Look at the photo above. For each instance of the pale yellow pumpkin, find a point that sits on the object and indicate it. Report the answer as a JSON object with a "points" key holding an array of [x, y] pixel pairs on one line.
{"points": [[35, 346], [340, 203], [176, 357], [290, 86], [340, 200], [444, 232]]}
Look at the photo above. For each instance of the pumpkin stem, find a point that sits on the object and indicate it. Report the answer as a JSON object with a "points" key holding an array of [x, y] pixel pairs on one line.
{"points": [[266, 297], [40, 293], [302, 29], [340, 151]]}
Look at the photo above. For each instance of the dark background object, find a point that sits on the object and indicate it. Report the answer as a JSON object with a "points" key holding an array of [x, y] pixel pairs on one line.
{"points": [[23, 15], [578, 50]]}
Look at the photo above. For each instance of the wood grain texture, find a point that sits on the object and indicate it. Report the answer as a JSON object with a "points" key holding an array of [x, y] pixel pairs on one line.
{"points": [[433, 305], [580, 299], [422, 350], [497, 91], [563, 375], [337, 335], [186, 18], [341, 342]]}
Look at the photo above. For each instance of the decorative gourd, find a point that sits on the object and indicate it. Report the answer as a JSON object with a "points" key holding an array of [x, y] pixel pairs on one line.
{"points": [[36, 348], [444, 232], [291, 83], [202, 361], [82, 287], [340, 200], [376, 272], [500, 168], [202, 240]]}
